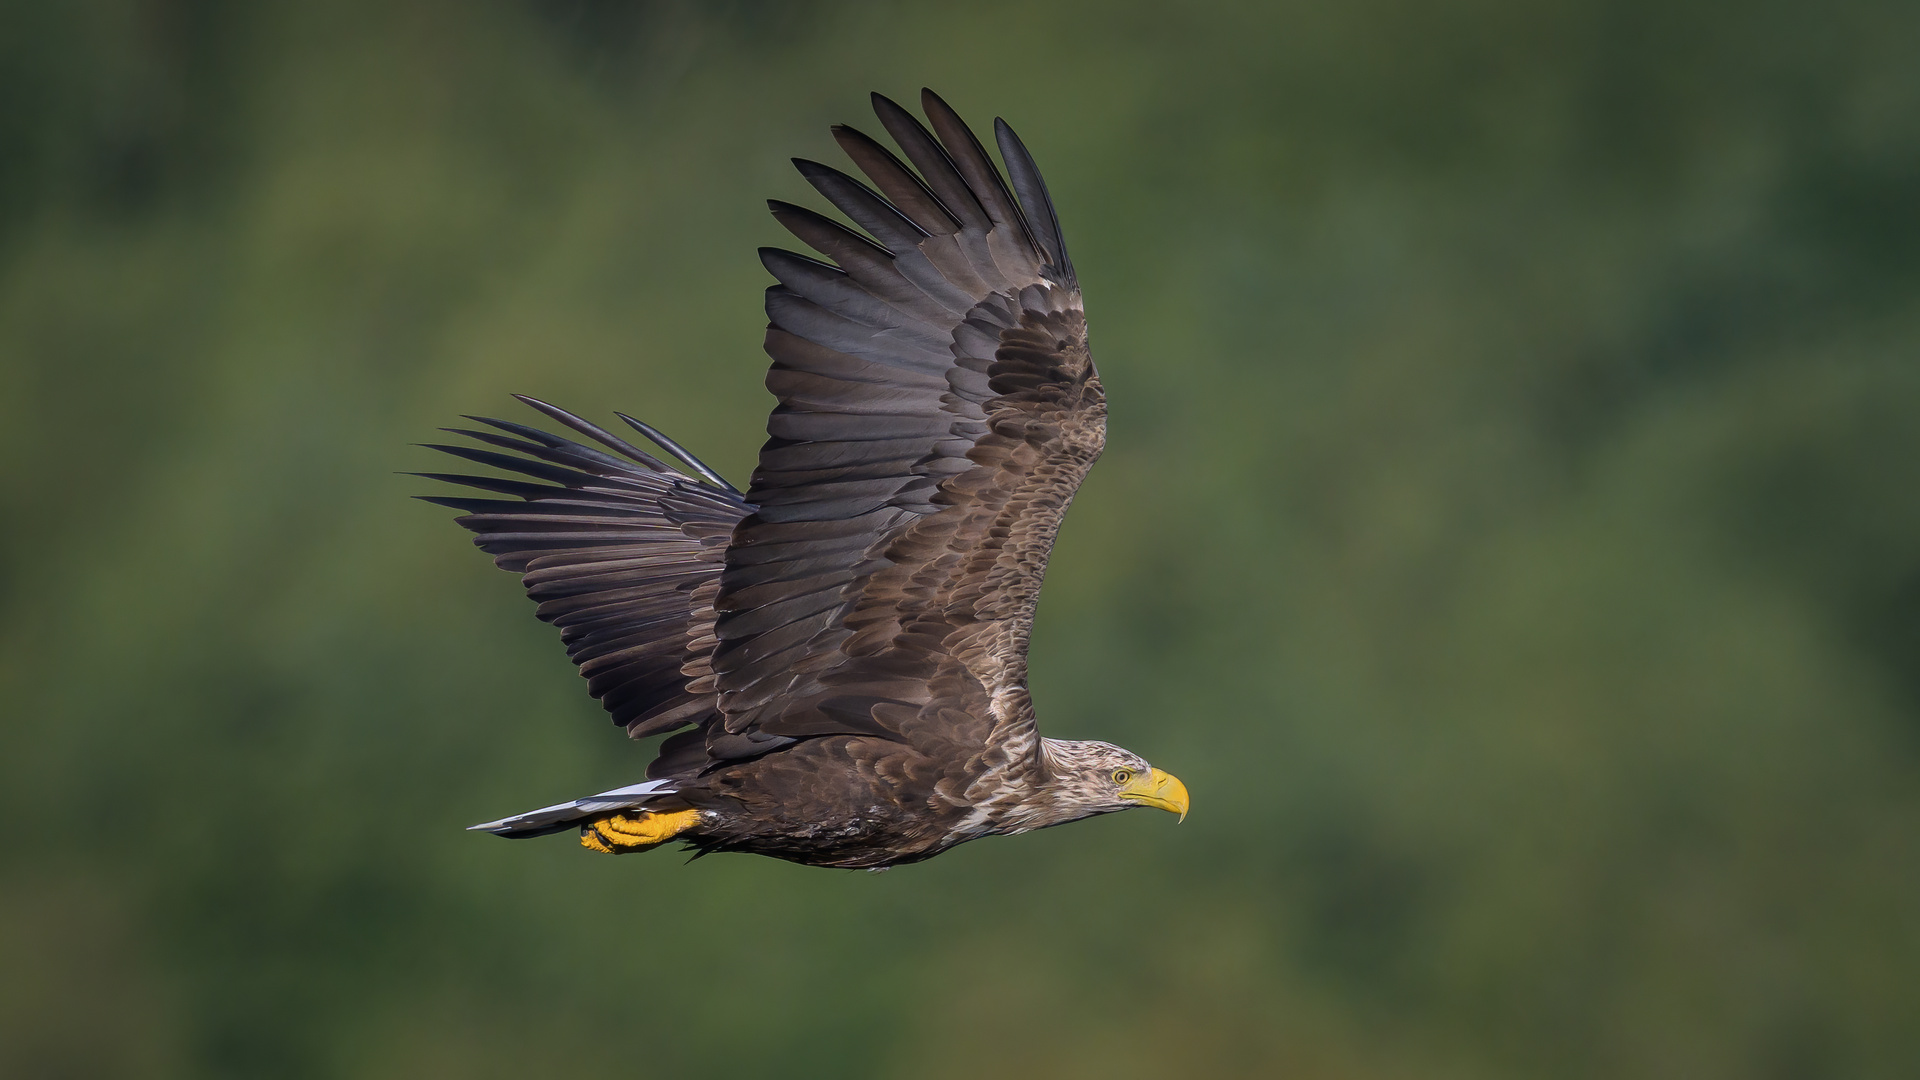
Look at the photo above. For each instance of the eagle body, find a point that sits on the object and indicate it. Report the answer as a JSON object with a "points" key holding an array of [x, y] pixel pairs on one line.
{"points": [[839, 652], [834, 801]]}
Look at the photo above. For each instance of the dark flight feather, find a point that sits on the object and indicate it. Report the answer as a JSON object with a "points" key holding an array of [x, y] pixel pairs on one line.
{"points": [[897, 182], [967, 155], [936, 168], [1032, 190], [612, 552], [885, 223]]}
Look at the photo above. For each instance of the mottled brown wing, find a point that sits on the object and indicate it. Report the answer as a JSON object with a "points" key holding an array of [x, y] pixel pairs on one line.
{"points": [[621, 551], [938, 409]]}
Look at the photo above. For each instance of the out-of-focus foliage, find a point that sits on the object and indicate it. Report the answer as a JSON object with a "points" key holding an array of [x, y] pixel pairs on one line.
{"points": [[1510, 531]]}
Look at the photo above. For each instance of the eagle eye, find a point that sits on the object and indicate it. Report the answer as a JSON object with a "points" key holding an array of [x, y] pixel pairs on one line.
{"points": [[1121, 776]]}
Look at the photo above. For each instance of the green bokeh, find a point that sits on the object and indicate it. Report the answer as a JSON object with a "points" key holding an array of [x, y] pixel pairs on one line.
{"points": [[1510, 530]]}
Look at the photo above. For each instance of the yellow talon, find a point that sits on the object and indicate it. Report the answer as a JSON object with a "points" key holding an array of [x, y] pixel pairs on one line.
{"points": [[616, 834]]}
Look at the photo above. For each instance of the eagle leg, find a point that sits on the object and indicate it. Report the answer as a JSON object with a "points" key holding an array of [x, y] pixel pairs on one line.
{"points": [[619, 833]]}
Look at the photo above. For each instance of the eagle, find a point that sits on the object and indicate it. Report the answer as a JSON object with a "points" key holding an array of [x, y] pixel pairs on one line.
{"points": [[838, 655]]}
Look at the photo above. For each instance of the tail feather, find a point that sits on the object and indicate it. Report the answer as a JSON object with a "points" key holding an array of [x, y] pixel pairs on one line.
{"points": [[562, 816]]}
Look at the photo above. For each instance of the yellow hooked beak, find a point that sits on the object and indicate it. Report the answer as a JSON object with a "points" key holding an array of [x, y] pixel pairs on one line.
{"points": [[1158, 789]]}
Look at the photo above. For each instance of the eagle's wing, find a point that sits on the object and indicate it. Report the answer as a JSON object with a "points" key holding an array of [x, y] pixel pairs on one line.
{"points": [[621, 551], [938, 409]]}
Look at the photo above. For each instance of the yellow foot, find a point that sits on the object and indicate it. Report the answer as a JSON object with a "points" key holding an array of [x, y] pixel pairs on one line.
{"points": [[638, 830]]}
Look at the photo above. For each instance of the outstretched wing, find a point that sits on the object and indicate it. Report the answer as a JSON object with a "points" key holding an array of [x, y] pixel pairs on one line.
{"points": [[621, 551], [938, 409]]}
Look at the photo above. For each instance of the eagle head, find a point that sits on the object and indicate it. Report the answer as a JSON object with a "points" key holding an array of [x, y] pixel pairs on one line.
{"points": [[1089, 778]]}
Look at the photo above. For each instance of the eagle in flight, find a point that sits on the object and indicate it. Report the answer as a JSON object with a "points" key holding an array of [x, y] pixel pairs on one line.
{"points": [[841, 650]]}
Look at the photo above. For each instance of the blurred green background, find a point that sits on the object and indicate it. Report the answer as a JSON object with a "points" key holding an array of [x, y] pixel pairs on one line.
{"points": [[1510, 531]]}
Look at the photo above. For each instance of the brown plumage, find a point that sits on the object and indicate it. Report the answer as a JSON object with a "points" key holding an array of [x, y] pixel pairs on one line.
{"points": [[845, 645]]}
